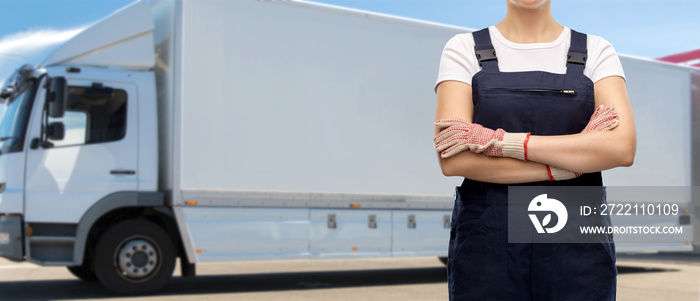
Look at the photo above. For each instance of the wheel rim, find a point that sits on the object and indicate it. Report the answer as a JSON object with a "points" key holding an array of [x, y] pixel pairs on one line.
{"points": [[137, 258]]}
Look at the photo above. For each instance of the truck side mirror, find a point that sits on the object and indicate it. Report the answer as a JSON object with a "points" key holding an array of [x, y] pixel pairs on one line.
{"points": [[55, 131], [56, 97]]}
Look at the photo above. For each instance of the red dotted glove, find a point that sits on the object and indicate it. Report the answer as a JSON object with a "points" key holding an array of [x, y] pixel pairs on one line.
{"points": [[460, 135], [603, 119]]}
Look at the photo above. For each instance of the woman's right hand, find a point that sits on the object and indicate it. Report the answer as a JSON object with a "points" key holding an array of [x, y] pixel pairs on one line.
{"points": [[603, 119]]}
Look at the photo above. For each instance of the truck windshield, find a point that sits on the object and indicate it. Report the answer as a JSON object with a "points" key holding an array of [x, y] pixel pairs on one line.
{"points": [[14, 115]]}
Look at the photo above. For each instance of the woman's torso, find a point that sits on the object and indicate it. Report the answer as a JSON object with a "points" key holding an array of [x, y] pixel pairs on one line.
{"points": [[540, 102]]}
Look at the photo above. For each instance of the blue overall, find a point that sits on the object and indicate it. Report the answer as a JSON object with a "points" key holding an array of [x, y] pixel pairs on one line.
{"points": [[482, 265]]}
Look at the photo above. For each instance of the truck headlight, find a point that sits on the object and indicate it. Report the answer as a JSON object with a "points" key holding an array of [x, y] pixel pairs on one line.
{"points": [[4, 238]]}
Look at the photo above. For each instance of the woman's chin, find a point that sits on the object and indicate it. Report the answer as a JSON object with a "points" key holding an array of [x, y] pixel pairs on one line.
{"points": [[528, 4]]}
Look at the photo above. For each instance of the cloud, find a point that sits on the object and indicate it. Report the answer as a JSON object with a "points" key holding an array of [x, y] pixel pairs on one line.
{"points": [[30, 47], [32, 40]]}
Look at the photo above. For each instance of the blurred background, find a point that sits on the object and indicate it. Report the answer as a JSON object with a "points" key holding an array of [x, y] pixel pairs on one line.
{"points": [[658, 30]]}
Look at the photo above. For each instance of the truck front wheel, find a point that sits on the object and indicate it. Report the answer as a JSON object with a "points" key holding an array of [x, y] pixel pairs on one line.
{"points": [[134, 257]]}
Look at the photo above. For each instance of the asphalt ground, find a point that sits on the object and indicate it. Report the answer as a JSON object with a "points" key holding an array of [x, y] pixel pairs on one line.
{"points": [[641, 277]]}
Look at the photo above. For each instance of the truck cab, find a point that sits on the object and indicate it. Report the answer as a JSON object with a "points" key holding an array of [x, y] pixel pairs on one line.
{"points": [[78, 151], [57, 163]]}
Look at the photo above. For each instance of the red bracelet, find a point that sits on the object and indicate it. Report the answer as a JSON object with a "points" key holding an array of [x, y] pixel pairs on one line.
{"points": [[527, 138], [549, 171]]}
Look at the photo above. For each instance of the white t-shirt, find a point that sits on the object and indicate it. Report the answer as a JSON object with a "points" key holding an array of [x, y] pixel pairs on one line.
{"points": [[459, 61]]}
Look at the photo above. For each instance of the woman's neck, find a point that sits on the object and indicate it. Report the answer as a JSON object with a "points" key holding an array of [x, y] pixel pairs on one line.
{"points": [[523, 25]]}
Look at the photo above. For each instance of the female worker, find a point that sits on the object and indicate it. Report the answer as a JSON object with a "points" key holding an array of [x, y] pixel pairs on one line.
{"points": [[516, 104]]}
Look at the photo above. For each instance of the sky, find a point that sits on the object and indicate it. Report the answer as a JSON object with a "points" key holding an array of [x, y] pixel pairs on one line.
{"points": [[31, 29]]}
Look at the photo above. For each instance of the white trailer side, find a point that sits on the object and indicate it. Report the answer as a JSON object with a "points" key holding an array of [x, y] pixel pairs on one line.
{"points": [[294, 96], [287, 104]]}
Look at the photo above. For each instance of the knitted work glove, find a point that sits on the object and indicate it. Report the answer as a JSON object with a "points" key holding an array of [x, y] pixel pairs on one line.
{"points": [[460, 135], [558, 174], [603, 119]]}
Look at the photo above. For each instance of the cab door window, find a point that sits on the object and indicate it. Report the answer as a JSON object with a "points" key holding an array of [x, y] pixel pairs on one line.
{"points": [[93, 115]]}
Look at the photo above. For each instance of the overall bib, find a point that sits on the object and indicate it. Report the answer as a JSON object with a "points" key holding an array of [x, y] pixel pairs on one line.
{"points": [[482, 265]]}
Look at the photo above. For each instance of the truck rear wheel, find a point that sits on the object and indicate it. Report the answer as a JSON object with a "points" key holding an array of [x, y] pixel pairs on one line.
{"points": [[134, 257], [83, 272]]}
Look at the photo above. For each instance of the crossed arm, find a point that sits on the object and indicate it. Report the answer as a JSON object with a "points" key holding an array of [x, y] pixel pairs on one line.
{"points": [[583, 153]]}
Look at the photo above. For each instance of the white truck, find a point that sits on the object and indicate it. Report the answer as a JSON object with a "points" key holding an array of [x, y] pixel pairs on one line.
{"points": [[224, 130], [237, 130]]}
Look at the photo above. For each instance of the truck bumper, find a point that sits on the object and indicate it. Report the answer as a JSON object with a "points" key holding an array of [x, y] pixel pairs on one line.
{"points": [[11, 237]]}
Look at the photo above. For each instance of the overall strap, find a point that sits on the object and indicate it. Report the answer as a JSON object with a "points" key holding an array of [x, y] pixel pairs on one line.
{"points": [[578, 53], [484, 50]]}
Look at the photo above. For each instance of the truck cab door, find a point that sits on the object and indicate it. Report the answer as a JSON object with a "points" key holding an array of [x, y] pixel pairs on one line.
{"points": [[98, 155]]}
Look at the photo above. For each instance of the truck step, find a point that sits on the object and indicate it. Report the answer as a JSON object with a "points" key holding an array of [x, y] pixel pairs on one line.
{"points": [[52, 239], [52, 263], [51, 250]]}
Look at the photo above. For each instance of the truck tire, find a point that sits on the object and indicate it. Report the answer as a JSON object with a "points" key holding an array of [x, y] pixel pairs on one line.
{"points": [[134, 257], [83, 272]]}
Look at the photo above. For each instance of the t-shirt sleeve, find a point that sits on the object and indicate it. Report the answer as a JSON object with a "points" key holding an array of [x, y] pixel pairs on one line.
{"points": [[458, 61], [603, 60]]}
